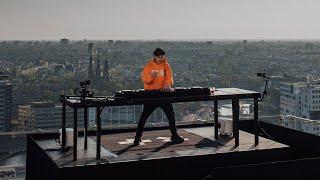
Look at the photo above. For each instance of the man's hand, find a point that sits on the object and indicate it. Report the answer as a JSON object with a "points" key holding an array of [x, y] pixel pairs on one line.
{"points": [[168, 88]]}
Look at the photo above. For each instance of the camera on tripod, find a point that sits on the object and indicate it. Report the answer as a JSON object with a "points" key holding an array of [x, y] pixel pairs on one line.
{"points": [[83, 90], [85, 82]]}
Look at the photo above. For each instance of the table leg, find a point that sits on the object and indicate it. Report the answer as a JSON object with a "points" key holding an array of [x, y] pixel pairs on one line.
{"points": [[256, 122], [98, 112], [63, 128], [85, 121], [235, 114]]}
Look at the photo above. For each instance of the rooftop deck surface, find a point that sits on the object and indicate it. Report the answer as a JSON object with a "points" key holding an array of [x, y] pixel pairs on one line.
{"points": [[155, 145]]}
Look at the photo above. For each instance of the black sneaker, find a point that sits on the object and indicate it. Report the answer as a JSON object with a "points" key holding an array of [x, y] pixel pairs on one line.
{"points": [[176, 139], [136, 141]]}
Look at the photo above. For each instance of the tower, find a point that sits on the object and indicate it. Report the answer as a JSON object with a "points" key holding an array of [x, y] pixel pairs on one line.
{"points": [[5, 102], [90, 48], [106, 69], [90, 69], [98, 72]]}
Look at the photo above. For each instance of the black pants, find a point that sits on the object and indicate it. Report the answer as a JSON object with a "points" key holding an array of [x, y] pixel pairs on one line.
{"points": [[148, 109]]}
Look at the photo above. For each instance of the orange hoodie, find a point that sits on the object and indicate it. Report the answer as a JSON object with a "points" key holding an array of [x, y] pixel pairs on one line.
{"points": [[162, 79]]}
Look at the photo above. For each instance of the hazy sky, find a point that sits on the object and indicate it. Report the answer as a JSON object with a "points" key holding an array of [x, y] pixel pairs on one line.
{"points": [[159, 19]]}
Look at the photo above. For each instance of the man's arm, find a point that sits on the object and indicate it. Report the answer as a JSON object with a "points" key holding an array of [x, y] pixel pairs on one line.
{"points": [[146, 75], [168, 76]]}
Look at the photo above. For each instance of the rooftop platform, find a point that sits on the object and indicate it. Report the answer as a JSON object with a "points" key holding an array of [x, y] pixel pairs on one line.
{"points": [[155, 158]]}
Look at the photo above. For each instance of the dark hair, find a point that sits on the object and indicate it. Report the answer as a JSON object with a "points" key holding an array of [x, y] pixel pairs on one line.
{"points": [[159, 52]]}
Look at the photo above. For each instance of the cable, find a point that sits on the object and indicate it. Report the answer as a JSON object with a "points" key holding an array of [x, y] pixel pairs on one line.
{"points": [[263, 75], [265, 90]]}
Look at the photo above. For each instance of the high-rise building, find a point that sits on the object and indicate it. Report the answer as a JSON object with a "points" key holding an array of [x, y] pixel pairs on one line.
{"points": [[301, 99], [64, 41], [245, 42], [5, 102], [90, 48], [289, 99], [106, 69], [91, 75], [98, 72]]}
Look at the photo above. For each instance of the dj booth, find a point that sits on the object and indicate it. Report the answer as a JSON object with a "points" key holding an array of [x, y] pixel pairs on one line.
{"points": [[139, 97]]}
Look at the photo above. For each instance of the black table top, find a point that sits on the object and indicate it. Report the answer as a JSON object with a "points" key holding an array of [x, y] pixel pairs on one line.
{"points": [[219, 94]]}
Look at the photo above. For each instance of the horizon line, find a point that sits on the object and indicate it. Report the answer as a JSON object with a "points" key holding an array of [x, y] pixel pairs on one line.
{"points": [[174, 40]]}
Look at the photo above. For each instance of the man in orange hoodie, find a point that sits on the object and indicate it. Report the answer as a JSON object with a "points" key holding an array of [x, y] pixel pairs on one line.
{"points": [[157, 75]]}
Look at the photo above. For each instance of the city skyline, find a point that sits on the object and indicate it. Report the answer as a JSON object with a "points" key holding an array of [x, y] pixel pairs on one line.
{"points": [[151, 20]]}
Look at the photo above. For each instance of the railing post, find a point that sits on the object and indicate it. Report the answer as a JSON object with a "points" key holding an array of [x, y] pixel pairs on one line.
{"points": [[215, 109], [75, 133]]}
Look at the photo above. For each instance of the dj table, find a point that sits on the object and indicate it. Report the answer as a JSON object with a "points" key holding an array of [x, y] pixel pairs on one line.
{"points": [[125, 99]]}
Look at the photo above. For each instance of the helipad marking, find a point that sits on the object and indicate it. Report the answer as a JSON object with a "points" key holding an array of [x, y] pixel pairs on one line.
{"points": [[130, 141]]}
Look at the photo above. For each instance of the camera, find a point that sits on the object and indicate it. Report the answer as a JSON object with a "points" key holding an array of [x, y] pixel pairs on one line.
{"points": [[83, 91], [85, 82]]}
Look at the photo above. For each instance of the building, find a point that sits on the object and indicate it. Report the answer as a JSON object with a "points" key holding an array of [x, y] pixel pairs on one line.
{"points": [[301, 99], [90, 48], [24, 116], [91, 75], [106, 75], [69, 116], [45, 115], [42, 116], [92, 116], [22, 100], [5, 102], [98, 80], [64, 41], [245, 42], [118, 115], [289, 99], [124, 115]]}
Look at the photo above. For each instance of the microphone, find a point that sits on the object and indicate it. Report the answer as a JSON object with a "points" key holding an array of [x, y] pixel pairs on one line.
{"points": [[266, 78]]}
